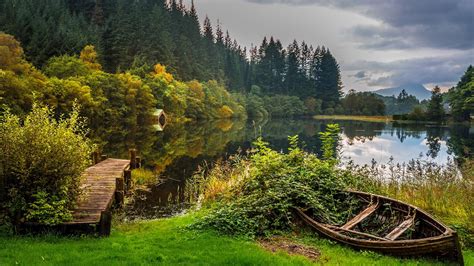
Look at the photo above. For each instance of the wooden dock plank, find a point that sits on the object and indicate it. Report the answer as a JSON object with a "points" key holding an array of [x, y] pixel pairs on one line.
{"points": [[98, 191]]}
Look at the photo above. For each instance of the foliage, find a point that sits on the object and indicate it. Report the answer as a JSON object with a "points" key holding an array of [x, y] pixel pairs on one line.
{"points": [[42, 163], [138, 34], [363, 103], [435, 110], [46, 28], [66, 66], [461, 97], [330, 139], [107, 99], [195, 100], [47, 209], [276, 106], [313, 106], [20, 82], [402, 104], [260, 196], [110, 99]]}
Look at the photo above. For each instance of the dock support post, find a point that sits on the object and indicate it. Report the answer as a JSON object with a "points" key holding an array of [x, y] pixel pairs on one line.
{"points": [[95, 157], [105, 223], [119, 192], [127, 175], [133, 159], [138, 162]]}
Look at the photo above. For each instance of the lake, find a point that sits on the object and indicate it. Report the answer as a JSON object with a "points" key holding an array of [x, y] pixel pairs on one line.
{"points": [[180, 149]]}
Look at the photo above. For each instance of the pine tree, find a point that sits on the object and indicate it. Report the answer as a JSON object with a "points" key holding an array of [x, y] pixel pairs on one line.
{"points": [[435, 106], [329, 88], [219, 34], [207, 28], [292, 75]]}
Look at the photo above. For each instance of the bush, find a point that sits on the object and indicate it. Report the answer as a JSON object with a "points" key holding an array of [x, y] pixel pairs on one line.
{"points": [[41, 165], [256, 196]]}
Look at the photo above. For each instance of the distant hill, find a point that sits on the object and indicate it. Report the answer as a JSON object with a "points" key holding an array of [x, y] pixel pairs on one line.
{"points": [[417, 90]]}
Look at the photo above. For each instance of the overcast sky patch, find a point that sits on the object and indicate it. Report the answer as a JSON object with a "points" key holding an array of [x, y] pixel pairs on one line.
{"points": [[392, 42]]}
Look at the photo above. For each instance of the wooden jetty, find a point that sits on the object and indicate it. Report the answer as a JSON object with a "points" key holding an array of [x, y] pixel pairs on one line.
{"points": [[104, 186]]}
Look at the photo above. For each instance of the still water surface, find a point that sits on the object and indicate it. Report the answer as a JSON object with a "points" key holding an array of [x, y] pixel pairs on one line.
{"points": [[177, 152]]}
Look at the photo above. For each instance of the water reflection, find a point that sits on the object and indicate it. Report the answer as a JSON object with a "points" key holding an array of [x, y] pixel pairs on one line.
{"points": [[177, 152]]}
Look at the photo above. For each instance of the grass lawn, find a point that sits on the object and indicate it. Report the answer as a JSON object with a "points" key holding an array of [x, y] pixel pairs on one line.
{"points": [[167, 242], [355, 118]]}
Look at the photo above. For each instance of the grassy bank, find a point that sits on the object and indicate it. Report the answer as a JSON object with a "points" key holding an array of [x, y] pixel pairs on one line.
{"points": [[167, 242], [354, 118]]}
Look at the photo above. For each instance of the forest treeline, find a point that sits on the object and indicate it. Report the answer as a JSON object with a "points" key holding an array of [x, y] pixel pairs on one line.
{"points": [[106, 99], [139, 34], [132, 37]]}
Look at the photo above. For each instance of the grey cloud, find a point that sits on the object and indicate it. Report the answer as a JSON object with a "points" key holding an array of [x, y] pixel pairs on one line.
{"points": [[407, 23], [437, 70], [360, 75]]}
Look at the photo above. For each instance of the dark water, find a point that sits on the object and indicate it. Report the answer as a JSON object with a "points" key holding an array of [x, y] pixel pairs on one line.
{"points": [[178, 151]]}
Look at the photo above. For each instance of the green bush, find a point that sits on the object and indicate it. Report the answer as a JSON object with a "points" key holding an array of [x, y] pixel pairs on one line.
{"points": [[41, 165], [259, 198]]}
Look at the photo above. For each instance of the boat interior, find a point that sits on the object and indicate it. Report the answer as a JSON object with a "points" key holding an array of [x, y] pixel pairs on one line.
{"points": [[378, 218]]}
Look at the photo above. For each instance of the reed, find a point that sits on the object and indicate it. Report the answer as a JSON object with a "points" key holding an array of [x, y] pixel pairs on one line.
{"points": [[445, 191]]}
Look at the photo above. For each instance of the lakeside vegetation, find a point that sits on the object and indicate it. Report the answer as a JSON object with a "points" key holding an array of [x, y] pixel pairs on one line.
{"points": [[41, 166], [113, 62]]}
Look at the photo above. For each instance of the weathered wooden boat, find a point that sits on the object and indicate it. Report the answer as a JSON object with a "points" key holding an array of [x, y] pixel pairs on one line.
{"points": [[390, 226]]}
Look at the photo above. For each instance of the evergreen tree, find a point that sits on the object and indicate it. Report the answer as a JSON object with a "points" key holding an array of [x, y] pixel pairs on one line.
{"points": [[461, 97], [435, 111], [293, 69], [328, 83]]}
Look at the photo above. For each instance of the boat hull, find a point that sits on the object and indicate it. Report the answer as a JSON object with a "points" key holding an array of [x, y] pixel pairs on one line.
{"points": [[444, 245]]}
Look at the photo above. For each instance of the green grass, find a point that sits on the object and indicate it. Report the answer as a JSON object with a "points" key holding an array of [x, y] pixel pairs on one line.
{"points": [[355, 118], [166, 242]]}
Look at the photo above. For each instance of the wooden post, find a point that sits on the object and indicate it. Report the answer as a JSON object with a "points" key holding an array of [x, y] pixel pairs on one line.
{"points": [[103, 157], [133, 158], [119, 192], [119, 199], [95, 157], [127, 175], [105, 223], [138, 162], [119, 184]]}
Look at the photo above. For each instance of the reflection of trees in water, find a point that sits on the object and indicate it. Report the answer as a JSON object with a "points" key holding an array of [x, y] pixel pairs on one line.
{"points": [[361, 131], [461, 142], [177, 152], [434, 136], [174, 155], [117, 140]]}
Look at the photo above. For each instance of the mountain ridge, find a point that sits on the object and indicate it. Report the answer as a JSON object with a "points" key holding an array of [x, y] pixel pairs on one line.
{"points": [[417, 90]]}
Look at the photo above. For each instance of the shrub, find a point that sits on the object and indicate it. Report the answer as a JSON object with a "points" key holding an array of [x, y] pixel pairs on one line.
{"points": [[256, 197], [41, 164]]}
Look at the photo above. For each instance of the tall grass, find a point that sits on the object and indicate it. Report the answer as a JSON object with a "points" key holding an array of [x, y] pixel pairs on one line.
{"points": [[445, 191], [211, 183], [144, 177]]}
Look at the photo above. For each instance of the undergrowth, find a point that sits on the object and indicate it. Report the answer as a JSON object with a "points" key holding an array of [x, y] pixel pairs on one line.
{"points": [[256, 196]]}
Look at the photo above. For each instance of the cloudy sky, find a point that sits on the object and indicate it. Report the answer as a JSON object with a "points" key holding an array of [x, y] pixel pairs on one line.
{"points": [[378, 43]]}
